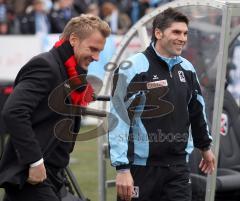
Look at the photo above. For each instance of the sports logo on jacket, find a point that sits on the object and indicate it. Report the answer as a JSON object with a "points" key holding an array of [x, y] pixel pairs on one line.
{"points": [[181, 76], [157, 84], [155, 77], [224, 124]]}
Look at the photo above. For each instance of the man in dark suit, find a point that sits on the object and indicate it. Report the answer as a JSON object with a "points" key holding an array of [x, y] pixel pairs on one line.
{"points": [[33, 160]]}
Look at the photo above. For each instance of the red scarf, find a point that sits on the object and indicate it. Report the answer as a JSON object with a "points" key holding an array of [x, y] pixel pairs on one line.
{"points": [[84, 92]]}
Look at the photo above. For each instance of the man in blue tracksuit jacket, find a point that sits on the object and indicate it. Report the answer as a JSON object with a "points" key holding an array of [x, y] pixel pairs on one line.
{"points": [[161, 115]]}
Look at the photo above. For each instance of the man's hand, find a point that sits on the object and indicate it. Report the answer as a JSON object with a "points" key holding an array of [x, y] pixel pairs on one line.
{"points": [[37, 174], [207, 164], [124, 184]]}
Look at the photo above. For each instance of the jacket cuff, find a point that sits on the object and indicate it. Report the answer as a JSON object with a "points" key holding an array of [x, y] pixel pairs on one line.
{"points": [[206, 148], [120, 167], [37, 163]]}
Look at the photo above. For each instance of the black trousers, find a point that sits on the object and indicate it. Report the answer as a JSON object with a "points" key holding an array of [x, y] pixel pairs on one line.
{"points": [[165, 183], [39, 192], [46, 191]]}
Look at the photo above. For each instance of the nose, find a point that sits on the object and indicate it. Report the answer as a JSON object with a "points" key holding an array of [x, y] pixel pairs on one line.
{"points": [[95, 56], [183, 37]]}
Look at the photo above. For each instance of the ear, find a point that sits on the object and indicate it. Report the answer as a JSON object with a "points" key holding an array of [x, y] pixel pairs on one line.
{"points": [[73, 39], [158, 34]]}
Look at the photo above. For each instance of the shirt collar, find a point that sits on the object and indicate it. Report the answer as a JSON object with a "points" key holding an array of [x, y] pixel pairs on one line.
{"points": [[170, 61]]}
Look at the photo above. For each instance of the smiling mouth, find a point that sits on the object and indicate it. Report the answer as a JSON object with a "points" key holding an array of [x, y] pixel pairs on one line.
{"points": [[179, 46], [90, 60]]}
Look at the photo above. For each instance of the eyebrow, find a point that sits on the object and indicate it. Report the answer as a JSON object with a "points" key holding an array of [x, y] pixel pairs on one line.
{"points": [[96, 49], [178, 30]]}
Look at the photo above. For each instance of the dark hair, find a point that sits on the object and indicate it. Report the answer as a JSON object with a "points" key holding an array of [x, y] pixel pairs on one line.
{"points": [[164, 20]]}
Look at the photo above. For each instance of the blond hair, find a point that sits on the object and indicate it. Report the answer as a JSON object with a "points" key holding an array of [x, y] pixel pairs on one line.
{"points": [[84, 25]]}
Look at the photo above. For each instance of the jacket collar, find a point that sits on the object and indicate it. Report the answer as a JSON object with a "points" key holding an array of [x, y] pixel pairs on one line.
{"points": [[169, 62]]}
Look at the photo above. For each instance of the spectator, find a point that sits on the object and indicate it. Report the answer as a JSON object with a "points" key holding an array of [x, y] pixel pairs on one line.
{"points": [[36, 21], [3, 11], [124, 6], [3, 28], [7, 18], [81, 6], [119, 22], [61, 13], [13, 26], [141, 7], [19, 6], [93, 9]]}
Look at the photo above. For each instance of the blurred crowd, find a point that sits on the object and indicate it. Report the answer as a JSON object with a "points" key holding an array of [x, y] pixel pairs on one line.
{"points": [[50, 16]]}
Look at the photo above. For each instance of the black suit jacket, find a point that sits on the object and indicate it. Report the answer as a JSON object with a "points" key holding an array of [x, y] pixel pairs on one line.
{"points": [[29, 119]]}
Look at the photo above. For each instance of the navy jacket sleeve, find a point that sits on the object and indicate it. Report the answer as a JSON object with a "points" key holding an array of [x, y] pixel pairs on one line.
{"points": [[198, 119]]}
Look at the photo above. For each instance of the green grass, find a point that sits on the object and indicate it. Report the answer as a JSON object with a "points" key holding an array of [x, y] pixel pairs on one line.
{"points": [[85, 168], [1, 193]]}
